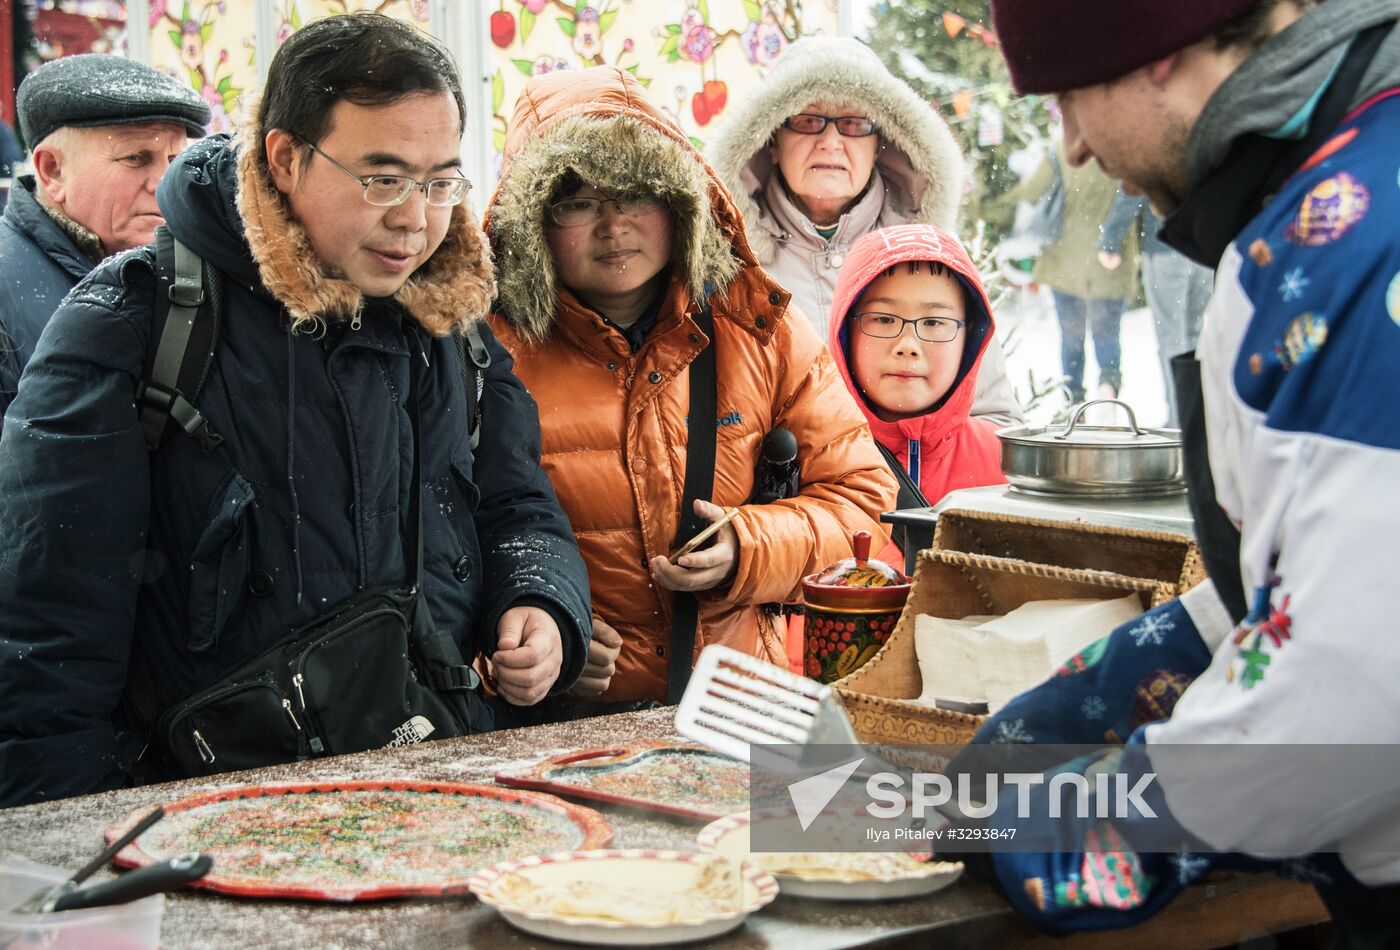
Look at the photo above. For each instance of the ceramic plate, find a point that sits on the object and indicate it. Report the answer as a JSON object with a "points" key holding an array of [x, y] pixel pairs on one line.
{"points": [[686, 780], [730, 837], [352, 841], [559, 896]]}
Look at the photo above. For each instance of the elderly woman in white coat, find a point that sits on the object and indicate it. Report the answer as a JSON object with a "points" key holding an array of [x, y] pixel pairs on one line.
{"points": [[829, 147]]}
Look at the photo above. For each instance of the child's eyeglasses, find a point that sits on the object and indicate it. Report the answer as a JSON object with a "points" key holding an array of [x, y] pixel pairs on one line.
{"points": [[851, 126], [888, 326]]}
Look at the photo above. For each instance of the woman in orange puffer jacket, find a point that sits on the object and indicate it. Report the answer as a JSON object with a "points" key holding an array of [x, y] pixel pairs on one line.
{"points": [[610, 233]]}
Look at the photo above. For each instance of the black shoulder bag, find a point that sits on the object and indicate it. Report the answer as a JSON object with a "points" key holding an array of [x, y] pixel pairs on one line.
{"points": [[699, 483], [373, 671]]}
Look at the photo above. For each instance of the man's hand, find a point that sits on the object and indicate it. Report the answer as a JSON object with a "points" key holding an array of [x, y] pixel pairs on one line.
{"points": [[602, 655], [529, 654], [707, 568], [1109, 260]]}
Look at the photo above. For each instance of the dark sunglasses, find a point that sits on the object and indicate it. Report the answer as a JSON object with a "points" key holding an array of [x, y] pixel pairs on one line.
{"points": [[852, 126]]}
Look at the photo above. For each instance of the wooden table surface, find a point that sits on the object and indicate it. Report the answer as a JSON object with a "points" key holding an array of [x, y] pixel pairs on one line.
{"points": [[967, 915]]}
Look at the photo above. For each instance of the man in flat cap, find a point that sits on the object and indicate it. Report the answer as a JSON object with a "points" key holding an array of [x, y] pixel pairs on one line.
{"points": [[102, 130], [1268, 134]]}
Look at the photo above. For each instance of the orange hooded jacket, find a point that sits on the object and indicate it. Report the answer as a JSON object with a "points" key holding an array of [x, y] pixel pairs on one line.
{"points": [[950, 449], [614, 422]]}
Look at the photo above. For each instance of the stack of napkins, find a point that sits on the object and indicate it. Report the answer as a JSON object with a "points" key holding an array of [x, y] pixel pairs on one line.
{"points": [[992, 659]]}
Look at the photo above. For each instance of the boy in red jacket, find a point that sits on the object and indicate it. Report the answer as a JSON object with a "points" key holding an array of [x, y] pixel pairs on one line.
{"points": [[909, 324]]}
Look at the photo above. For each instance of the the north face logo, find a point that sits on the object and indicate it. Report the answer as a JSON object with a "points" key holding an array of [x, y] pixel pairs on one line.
{"points": [[414, 731]]}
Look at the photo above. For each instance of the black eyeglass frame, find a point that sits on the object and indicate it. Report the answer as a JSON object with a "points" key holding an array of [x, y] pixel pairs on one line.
{"points": [[828, 120], [904, 321], [461, 183]]}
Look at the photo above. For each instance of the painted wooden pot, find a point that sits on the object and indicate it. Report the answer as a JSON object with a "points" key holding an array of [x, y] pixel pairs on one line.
{"points": [[852, 607]]}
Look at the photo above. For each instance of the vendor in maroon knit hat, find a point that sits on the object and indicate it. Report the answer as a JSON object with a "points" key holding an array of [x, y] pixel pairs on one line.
{"points": [[1121, 68], [1267, 133]]}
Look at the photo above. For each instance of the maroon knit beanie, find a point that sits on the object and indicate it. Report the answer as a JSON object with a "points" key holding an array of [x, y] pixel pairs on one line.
{"points": [[1057, 45]]}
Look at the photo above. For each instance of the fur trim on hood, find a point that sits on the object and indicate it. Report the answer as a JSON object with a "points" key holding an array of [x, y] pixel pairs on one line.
{"points": [[919, 160], [451, 290], [599, 125]]}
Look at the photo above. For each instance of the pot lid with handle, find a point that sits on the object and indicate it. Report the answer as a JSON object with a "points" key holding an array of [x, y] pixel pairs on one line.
{"points": [[1075, 432]]}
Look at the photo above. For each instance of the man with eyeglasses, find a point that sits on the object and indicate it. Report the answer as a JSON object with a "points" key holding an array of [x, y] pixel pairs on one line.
{"points": [[344, 261]]}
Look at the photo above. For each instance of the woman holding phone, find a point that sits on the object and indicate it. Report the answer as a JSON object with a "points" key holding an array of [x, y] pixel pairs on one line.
{"points": [[611, 236]]}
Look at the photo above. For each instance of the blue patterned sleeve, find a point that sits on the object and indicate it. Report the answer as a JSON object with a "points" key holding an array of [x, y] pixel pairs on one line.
{"points": [[1106, 691]]}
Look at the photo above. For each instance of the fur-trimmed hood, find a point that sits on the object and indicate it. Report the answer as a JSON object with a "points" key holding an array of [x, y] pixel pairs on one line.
{"points": [[919, 160], [218, 200], [599, 124]]}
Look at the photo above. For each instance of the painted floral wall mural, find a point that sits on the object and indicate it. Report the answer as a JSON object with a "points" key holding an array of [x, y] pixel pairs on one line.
{"points": [[693, 56], [212, 44], [209, 44]]}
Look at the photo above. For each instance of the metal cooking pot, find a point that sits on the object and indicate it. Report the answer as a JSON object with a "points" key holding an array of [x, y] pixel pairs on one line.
{"points": [[1112, 461]]}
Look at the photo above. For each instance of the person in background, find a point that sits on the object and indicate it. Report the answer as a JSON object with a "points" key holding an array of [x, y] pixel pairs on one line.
{"points": [[910, 324], [1090, 296], [101, 130], [613, 239], [830, 146], [1266, 133], [348, 259], [10, 156], [1177, 288]]}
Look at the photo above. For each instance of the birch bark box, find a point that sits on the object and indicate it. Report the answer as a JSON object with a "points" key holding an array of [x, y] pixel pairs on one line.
{"points": [[1009, 561]]}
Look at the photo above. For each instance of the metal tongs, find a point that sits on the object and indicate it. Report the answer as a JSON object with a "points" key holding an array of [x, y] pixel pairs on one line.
{"points": [[131, 886]]}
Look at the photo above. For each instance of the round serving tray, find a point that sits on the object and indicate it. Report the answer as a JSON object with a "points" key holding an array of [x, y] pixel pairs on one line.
{"points": [[356, 841]]}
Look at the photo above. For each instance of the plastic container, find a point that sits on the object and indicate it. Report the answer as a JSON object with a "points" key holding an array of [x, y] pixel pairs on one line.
{"points": [[134, 926]]}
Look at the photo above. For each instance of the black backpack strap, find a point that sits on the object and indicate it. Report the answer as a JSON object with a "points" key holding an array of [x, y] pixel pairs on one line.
{"points": [[476, 359], [910, 495], [699, 483], [185, 329]]}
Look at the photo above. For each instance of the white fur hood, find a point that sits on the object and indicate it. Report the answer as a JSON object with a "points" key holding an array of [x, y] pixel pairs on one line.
{"points": [[920, 160]]}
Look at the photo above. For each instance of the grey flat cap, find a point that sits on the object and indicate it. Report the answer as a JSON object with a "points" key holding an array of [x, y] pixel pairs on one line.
{"points": [[97, 89]]}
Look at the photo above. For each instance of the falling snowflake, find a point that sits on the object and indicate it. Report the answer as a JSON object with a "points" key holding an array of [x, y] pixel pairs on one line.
{"points": [[1293, 285], [1093, 707], [1188, 866], [1153, 628], [1008, 732]]}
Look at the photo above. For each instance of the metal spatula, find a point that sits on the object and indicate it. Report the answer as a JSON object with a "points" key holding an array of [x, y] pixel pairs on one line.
{"points": [[735, 700]]}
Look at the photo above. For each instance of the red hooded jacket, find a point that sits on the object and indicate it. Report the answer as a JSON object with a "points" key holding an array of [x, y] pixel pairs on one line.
{"points": [[950, 449]]}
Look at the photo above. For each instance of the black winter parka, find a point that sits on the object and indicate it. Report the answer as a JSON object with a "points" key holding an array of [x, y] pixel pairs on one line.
{"points": [[207, 559], [39, 264]]}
